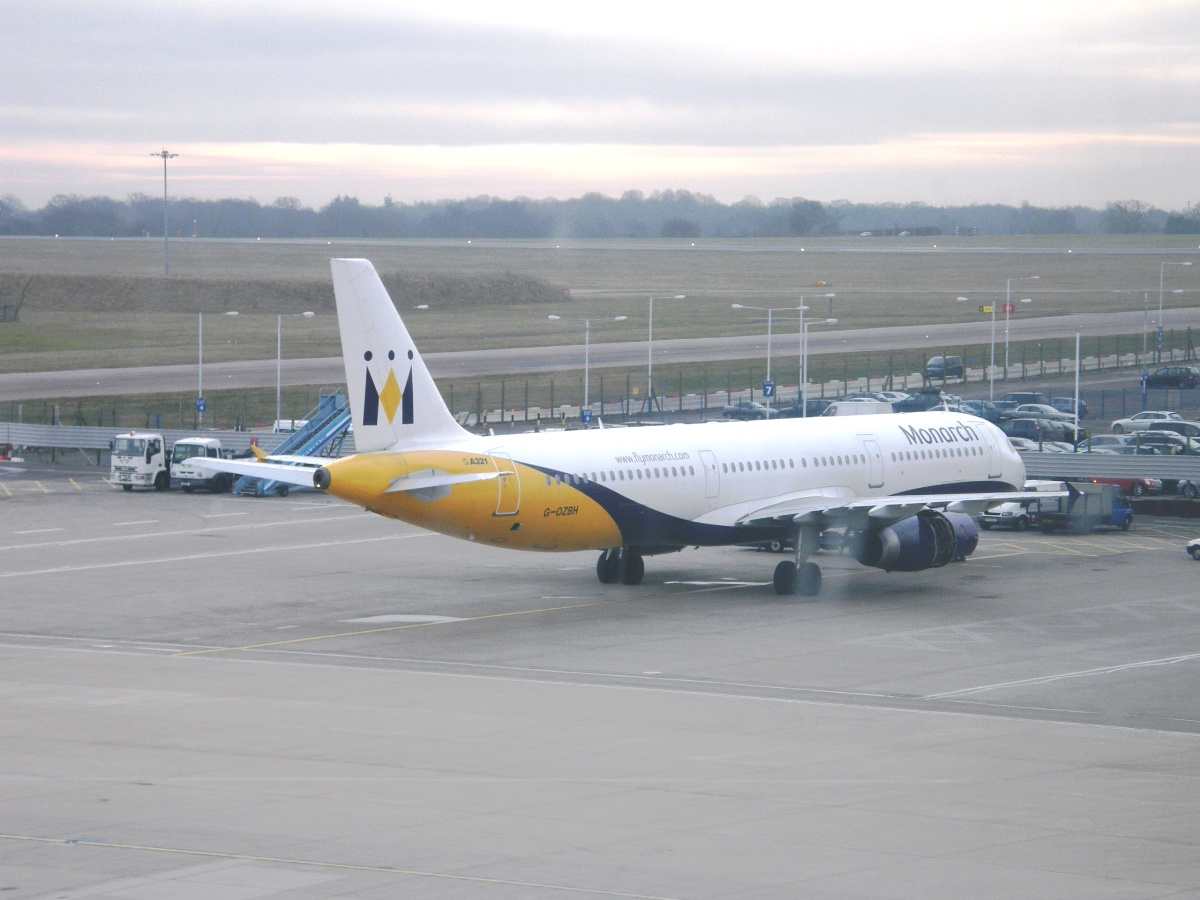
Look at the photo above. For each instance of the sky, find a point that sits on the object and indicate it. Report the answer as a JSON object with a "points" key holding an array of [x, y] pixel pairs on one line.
{"points": [[947, 102]]}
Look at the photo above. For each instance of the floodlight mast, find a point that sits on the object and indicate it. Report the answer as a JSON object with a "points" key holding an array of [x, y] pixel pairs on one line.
{"points": [[165, 154]]}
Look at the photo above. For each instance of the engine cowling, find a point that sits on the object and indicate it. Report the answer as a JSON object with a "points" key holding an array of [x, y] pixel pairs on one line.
{"points": [[925, 541]]}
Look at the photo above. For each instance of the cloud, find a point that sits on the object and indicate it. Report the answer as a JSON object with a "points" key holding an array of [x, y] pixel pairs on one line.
{"points": [[849, 82]]}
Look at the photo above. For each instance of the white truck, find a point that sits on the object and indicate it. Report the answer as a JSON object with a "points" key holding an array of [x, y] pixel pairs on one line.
{"points": [[140, 459], [191, 477]]}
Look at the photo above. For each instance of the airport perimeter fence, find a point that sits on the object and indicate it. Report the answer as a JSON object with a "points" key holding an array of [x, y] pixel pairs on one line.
{"points": [[548, 401]]}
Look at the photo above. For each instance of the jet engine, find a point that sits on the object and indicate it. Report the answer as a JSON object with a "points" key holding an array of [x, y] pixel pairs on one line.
{"points": [[928, 540]]}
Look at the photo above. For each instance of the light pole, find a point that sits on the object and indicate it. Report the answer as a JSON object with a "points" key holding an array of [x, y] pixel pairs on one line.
{"points": [[1008, 309], [770, 313], [804, 326], [587, 330], [279, 357], [1161, 267], [165, 154], [200, 405], [650, 353]]}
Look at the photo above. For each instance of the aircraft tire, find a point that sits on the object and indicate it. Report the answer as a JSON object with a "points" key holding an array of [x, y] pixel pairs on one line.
{"points": [[607, 567], [631, 568], [808, 580], [785, 578]]}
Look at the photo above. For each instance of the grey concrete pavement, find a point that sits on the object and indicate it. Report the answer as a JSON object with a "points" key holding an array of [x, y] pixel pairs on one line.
{"points": [[216, 696]]}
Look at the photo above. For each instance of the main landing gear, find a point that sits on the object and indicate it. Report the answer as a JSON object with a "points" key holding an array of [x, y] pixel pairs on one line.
{"points": [[624, 565], [801, 577]]}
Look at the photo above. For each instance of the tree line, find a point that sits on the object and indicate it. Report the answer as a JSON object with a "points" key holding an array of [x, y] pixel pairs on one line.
{"points": [[668, 214]]}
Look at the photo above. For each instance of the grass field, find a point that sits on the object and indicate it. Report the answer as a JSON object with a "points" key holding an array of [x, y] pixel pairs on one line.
{"points": [[104, 303]]}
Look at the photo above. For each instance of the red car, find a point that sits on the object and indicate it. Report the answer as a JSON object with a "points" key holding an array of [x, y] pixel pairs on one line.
{"points": [[1133, 487]]}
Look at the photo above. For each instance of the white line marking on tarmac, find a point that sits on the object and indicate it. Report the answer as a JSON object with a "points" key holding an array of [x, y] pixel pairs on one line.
{"points": [[224, 515], [138, 522], [431, 620], [1047, 679], [121, 564], [39, 531]]}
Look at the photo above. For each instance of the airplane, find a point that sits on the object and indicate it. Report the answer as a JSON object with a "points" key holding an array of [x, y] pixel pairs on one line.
{"points": [[901, 488]]}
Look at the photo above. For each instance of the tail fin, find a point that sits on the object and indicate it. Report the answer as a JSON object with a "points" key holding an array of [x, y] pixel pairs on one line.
{"points": [[393, 399]]}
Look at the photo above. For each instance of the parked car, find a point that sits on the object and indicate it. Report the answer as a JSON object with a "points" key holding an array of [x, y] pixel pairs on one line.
{"points": [[921, 401], [748, 409], [1041, 411], [984, 409], [1014, 515], [1024, 445], [1141, 421], [1019, 397], [1033, 429], [1190, 429], [1134, 487], [1067, 405], [1167, 443], [939, 368], [814, 408], [1193, 548], [892, 396], [1103, 442], [1174, 377]]}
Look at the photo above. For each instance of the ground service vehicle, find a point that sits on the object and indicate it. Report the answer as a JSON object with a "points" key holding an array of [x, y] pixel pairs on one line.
{"points": [[1086, 507], [189, 477], [1012, 514], [139, 459]]}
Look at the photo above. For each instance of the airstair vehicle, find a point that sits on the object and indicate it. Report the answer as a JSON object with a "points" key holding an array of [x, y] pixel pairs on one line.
{"points": [[322, 436]]}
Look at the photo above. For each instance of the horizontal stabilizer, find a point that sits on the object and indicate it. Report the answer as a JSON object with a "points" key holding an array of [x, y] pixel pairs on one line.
{"points": [[301, 475]]}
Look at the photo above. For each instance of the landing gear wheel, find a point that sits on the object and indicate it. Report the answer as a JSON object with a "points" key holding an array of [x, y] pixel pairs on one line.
{"points": [[607, 566], [785, 578], [631, 568], [808, 580]]}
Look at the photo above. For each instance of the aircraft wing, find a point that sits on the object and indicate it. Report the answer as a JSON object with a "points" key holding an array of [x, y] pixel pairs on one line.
{"points": [[833, 507]]}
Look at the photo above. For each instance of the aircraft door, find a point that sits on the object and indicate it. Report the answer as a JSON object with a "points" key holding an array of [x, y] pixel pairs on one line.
{"points": [[995, 462], [875, 457], [712, 475], [508, 501]]}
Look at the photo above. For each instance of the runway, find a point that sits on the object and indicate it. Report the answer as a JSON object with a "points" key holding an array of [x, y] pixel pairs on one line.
{"points": [[288, 697]]}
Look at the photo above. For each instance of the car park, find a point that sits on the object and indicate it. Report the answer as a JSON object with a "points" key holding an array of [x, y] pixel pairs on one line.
{"points": [[939, 368], [1067, 405], [747, 410], [1174, 377], [1012, 514], [1141, 421]]}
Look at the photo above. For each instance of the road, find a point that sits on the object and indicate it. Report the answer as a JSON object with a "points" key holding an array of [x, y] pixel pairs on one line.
{"points": [[328, 371]]}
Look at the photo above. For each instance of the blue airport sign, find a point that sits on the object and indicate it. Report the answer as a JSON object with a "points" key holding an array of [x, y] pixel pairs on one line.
{"points": [[768, 389], [201, 404]]}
